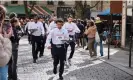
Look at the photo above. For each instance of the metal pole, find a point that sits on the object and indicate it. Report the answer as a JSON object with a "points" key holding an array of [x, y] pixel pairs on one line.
{"points": [[130, 53], [110, 17]]}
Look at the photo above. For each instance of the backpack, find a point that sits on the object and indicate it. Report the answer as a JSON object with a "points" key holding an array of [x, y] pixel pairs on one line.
{"points": [[5, 51]]}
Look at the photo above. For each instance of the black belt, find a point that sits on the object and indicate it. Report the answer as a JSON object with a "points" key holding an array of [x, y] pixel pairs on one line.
{"points": [[58, 45]]}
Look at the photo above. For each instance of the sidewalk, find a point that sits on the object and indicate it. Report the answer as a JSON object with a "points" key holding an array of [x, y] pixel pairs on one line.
{"points": [[120, 60]]}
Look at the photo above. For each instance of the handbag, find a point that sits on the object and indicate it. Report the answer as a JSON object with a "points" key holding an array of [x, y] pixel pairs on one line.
{"points": [[97, 38], [5, 51]]}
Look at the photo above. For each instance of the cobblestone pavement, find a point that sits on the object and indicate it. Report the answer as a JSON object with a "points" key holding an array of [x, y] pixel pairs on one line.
{"points": [[82, 67]]}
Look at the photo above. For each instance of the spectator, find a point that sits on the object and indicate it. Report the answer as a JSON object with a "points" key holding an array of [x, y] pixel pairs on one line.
{"points": [[91, 38], [100, 28], [5, 44]]}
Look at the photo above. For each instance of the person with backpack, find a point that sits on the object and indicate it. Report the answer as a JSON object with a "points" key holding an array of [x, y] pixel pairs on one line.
{"points": [[5, 44], [100, 28]]}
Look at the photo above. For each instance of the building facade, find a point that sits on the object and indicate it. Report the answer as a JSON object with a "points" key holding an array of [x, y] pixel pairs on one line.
{"points": [[52, 5], [126, 23]]}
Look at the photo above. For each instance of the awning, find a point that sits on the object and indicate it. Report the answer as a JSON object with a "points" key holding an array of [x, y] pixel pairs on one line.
{"points": [[107, 12], [36, 10], [40, 10]]}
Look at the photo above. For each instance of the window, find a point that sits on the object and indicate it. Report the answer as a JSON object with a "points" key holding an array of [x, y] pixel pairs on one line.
{"points": [[32, 2], [14, 2], [61, 3], [50, 2]]}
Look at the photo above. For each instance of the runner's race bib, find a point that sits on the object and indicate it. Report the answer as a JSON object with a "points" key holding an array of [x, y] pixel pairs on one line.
{"points": [[60, 37]]}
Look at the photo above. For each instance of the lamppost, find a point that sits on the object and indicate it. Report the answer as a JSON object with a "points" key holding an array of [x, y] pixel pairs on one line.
{"points": [[130, 53]]}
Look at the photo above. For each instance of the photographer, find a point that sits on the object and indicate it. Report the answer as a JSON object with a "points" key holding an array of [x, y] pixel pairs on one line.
{"points": [[17, 34], [5, 44]]}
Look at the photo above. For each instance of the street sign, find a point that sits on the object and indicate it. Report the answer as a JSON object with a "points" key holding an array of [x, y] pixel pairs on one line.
{"points": [[63, 12]]}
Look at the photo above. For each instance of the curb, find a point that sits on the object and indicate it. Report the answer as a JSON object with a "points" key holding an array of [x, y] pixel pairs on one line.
{"points": [[125, 69]]}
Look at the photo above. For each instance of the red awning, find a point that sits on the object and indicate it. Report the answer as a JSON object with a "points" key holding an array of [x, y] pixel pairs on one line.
{"points": [[39, 10]]}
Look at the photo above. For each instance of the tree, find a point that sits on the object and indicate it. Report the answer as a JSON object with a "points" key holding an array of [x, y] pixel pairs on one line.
{"points": [[28, 12], [83, 10]]}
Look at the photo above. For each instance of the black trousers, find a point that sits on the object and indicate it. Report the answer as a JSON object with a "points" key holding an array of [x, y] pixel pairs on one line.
{"points": [[12, 66], [52, 51], [29, 38], [59, 56], [36, 46], [72, 45], [43, 41]]}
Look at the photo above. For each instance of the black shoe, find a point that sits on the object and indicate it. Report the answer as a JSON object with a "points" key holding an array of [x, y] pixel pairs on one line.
{"points": [[87, 48], [61, 78], [34, 61], [10, 79], [69, 61], [40, 55], [55, 70]]}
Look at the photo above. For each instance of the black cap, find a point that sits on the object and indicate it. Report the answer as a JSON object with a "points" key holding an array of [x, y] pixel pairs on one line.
{"points": [[59, 20]]}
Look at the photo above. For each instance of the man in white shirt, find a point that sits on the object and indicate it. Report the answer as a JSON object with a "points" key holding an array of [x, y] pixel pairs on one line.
{"points": [[72, 29], [27, 27], [37, 31], [58, 36], [43, 40], [52, 25]]}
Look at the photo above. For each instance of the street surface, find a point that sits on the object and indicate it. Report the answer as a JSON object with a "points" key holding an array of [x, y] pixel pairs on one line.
{"points": [[82, 67]]}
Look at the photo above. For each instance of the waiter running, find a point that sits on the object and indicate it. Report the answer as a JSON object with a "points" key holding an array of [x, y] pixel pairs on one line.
{"points": [[52, 25], [58, 36], [72, 29], [37, 32]]}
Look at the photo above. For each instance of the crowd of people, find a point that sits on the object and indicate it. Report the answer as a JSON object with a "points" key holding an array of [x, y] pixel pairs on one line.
{"points": [[55, 35]]}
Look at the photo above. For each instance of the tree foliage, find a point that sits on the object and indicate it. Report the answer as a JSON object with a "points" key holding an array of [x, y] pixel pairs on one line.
{"points": [[81, 7]]}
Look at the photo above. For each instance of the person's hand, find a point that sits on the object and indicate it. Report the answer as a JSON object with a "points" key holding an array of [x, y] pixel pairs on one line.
{"points": [[6, 35], [49, 47]]}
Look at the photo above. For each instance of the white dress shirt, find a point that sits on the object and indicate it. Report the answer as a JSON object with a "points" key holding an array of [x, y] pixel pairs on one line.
{"points": [[52, 25], [71, 28], [28, 26], [39, 29], [57, 35]]}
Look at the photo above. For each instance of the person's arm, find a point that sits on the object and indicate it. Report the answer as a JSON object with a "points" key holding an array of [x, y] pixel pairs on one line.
{"points": [[76, 29], [47, 28], [26, 26], [66, 35], [48, 40], [42, 28]]}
